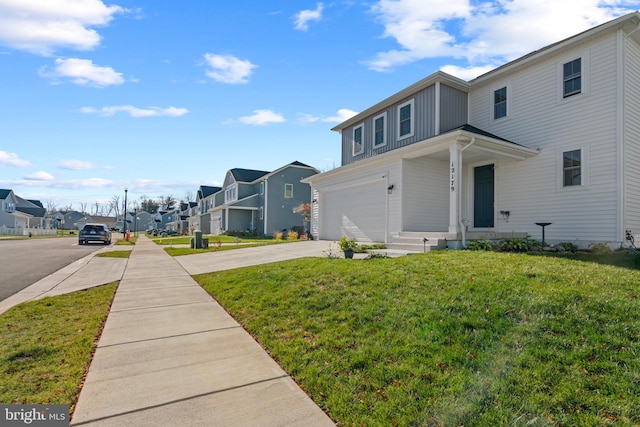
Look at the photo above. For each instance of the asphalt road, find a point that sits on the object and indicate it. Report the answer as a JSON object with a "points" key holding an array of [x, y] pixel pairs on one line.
{"points": [[24, 262]]}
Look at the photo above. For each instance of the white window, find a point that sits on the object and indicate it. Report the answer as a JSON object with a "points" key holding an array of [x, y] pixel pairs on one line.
{"points": [[357, 146], [380, 130], [288, 191], [405, 120], [572, 77], [231, 193], [9, 206], [572, 168], [500, 103]]}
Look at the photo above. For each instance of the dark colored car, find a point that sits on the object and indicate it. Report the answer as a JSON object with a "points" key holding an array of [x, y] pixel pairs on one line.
{"points": [[94, 233]]}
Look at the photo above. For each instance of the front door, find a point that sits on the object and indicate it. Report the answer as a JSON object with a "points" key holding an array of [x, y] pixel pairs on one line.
{"points": [[483, 197]]}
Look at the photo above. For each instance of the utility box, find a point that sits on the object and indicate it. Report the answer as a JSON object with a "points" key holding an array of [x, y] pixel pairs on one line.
{"points": [[197, 239]]}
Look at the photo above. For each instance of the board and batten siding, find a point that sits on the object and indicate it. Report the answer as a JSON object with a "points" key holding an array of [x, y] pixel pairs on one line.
{"points": [[453, 108], [426, 195], [632, 138], [424, 127], [540, 118]]}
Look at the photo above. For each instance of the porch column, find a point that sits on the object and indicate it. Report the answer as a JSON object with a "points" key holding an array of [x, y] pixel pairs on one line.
{"points": [[454, 187]]}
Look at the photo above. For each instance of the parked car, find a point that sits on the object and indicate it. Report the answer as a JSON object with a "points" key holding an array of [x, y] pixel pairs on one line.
{"points": [[94, 233]]}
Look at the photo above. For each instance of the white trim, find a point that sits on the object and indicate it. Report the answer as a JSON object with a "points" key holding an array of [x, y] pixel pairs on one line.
{"points": [[353, 140], [620, 134], [383, 116], [285, 191], [411, 118], [492, 101], [585, 66], [584, 168]]}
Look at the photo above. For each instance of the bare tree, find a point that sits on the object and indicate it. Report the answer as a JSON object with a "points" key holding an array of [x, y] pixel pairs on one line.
{"points": [[83, 208], [189, 196], [114, 205], [51, 207]]}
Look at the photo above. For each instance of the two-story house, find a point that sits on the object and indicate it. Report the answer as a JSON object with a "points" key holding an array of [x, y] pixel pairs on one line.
{"points": [[552, 137], [205, 201], [260, 201]]}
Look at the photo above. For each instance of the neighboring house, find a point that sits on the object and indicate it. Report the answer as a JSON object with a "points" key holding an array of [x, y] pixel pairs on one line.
{"points": [[8, 216], [34, 210], [178, 218], [205, 201], [71, 220], [552, 137], [260, 201]]}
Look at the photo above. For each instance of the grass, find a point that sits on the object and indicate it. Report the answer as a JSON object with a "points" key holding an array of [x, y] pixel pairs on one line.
{"points": [[114, 254], [124, 242], [451, 337], [46, 346]]}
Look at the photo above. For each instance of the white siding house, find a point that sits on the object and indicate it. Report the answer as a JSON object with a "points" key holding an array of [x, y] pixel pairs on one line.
{"points": [[552, 137]]}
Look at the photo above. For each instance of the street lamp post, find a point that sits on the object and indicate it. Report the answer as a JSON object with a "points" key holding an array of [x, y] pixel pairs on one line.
{"points": [[124, 218]]}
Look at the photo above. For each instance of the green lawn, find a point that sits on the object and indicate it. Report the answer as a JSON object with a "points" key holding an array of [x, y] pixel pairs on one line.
{"points": [[46, 346], [451, 337]]}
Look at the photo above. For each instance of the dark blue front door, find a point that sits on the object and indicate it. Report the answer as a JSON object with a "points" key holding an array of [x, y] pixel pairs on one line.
{"points": [[483, 197]]}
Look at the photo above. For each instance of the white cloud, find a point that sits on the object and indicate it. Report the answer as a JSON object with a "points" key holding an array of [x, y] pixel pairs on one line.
{"points": [[135, 111], [259, 118], [12, 159], [41, 27], [84, 72], [39, 176], [76, 165], [303, 17], [228, 68], [342, 115], [486, 33]]}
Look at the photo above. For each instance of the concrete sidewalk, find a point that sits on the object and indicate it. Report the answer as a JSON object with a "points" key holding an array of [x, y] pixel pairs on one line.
{"points": [[170, 355]]}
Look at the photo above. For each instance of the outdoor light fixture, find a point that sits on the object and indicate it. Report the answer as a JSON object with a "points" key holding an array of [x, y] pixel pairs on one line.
{"points": [[390, 189]]}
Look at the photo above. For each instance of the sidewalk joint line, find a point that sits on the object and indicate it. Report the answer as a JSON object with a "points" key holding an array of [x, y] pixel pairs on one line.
{"points": [[206, 331], [184, 399]]}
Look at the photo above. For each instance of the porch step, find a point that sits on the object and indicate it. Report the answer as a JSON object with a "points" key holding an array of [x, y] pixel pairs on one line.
{"points": [[414, 242]]}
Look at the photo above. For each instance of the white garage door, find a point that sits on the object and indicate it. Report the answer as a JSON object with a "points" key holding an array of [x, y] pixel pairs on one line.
{"points": [[358, 212]]}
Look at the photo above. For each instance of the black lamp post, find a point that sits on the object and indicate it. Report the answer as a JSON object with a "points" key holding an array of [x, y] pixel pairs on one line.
{"points": [[124, 218]]}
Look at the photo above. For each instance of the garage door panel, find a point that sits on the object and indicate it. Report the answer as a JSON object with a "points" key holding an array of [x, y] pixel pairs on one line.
{"points": [[358, 212]]}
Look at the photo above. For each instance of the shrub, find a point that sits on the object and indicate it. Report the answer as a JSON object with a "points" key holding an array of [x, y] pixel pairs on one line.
{"points": [[514, 244], [480, 245], [292, 235], [600, 248], [568, 246], [277, 235], [347, 244]]}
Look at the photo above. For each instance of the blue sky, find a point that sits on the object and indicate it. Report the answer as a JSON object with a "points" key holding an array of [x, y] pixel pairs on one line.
{"points": [[162, 96]]}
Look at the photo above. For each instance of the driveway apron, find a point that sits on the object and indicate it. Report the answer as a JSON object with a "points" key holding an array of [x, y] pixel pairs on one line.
{"points": [[170, 355]]}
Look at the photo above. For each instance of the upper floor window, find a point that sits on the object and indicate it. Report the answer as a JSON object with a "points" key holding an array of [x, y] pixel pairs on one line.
{"points": [[572, 168], [9, 206], [231, 194], [379, 130], [288, 191], [500, 103], [405, 117], [357, 140], [572, 77], [261, 187]]}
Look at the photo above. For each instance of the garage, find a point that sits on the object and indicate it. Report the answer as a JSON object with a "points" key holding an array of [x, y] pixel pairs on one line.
{"points": [[358, 211]]}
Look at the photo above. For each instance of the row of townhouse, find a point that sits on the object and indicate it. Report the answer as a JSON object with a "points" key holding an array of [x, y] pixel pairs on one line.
{"points": [[21, 216], [550, 138], [248, 201]]}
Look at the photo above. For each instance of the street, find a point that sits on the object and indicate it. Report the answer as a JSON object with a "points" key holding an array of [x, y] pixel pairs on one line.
{"points": [[24, 262]]}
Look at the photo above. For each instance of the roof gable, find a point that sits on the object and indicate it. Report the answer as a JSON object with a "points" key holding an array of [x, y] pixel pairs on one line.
{"points": [[247, 175]]}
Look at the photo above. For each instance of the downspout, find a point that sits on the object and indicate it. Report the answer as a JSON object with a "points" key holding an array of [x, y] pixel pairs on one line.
{"points": [[462, 226]]}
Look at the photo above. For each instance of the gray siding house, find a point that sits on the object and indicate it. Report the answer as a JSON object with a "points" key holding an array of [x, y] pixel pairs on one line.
{"points": [[552, 137], [260, 201]]}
